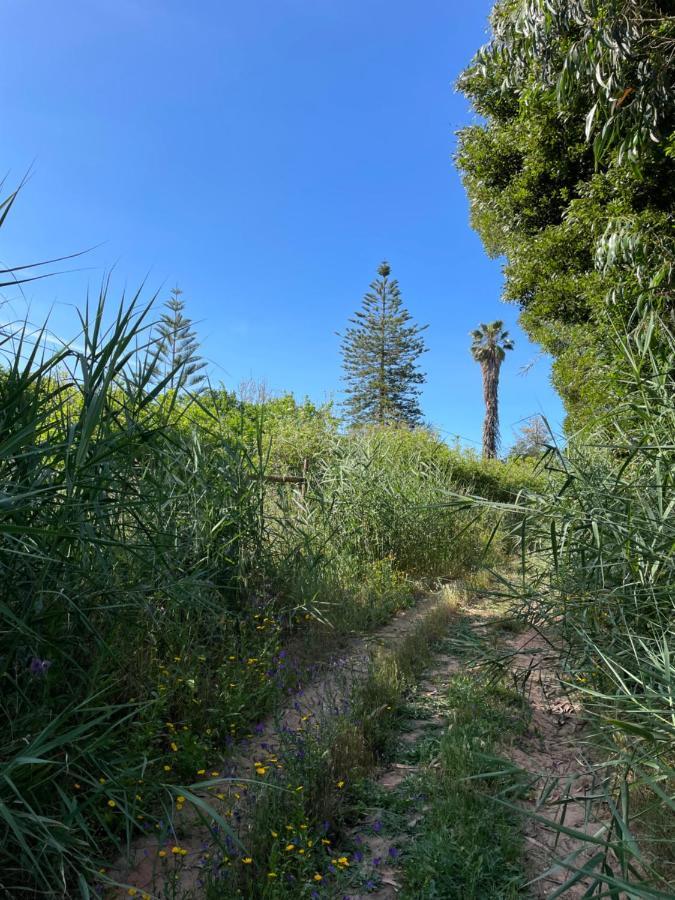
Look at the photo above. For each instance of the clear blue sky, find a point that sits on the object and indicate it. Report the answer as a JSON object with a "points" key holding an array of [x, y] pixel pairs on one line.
{"points": [[266, 156]]}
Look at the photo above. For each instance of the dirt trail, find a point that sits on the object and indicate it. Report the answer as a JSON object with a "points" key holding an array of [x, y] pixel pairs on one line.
{"points": [[145, 871], [550, 751], [435, 681]]}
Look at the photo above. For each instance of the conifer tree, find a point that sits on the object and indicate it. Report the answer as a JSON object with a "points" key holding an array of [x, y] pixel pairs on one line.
{"points": [[380, 350], [178, 355]]}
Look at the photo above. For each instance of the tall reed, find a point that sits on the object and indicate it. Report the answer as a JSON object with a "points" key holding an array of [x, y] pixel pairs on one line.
{"points": [[598, 569]]}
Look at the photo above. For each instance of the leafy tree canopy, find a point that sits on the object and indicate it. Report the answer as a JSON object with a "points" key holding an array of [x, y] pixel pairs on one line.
{"points": [[532, 439], [570, 176]]}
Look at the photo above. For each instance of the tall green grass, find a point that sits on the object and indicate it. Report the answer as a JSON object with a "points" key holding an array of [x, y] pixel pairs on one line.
{"points": [[598, 570], [152, 575]]}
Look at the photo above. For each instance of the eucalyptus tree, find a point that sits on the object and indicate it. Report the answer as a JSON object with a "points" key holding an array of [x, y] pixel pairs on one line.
{"points": [[488, 347], [569, 171]]}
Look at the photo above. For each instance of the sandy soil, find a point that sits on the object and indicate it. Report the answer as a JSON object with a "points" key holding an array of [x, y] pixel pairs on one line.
{"points": [[143, 869], [549, 751], [564, 783]]}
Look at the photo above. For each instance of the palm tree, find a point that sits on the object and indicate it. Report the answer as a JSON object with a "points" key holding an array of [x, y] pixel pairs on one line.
{"points": [[488, 347]]}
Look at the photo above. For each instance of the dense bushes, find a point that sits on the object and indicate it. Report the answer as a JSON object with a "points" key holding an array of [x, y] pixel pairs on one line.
{"points": [[152, 575]]}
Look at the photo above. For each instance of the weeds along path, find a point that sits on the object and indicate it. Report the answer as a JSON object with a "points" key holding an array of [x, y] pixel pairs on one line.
{"points": [[152, 869], [486, 792], [429, 826], [430, 821], [562, 807]]}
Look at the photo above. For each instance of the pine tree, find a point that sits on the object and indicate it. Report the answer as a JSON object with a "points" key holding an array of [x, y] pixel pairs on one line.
{"points": [[178, 356], [380, 351]]}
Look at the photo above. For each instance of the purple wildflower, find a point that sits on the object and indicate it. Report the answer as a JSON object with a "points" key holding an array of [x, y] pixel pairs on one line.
{"points": [[39, 667]]}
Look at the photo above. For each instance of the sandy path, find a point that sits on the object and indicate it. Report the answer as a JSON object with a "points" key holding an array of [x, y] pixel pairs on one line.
{"points": [[435, 680], [550, 751], [152, 875], [564, 782]]}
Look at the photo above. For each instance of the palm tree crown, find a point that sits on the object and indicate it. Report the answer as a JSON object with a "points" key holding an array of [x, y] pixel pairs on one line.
{"points": [[488, 347]]}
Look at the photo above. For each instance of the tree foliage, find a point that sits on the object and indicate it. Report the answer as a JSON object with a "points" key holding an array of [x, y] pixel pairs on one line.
{"points": [[488, 347], [570, 177], [178, 348], [532, 439], [380, 350]]}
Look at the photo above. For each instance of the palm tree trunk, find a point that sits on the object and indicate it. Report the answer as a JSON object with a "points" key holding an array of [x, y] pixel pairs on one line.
{"points": [[491, 421]]}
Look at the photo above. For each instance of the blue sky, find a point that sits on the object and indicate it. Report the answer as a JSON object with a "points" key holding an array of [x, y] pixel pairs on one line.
{"points": [[265, 156]]}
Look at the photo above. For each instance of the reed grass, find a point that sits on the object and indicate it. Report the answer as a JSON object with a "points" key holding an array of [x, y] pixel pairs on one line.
{"points": [[153, 578]]}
